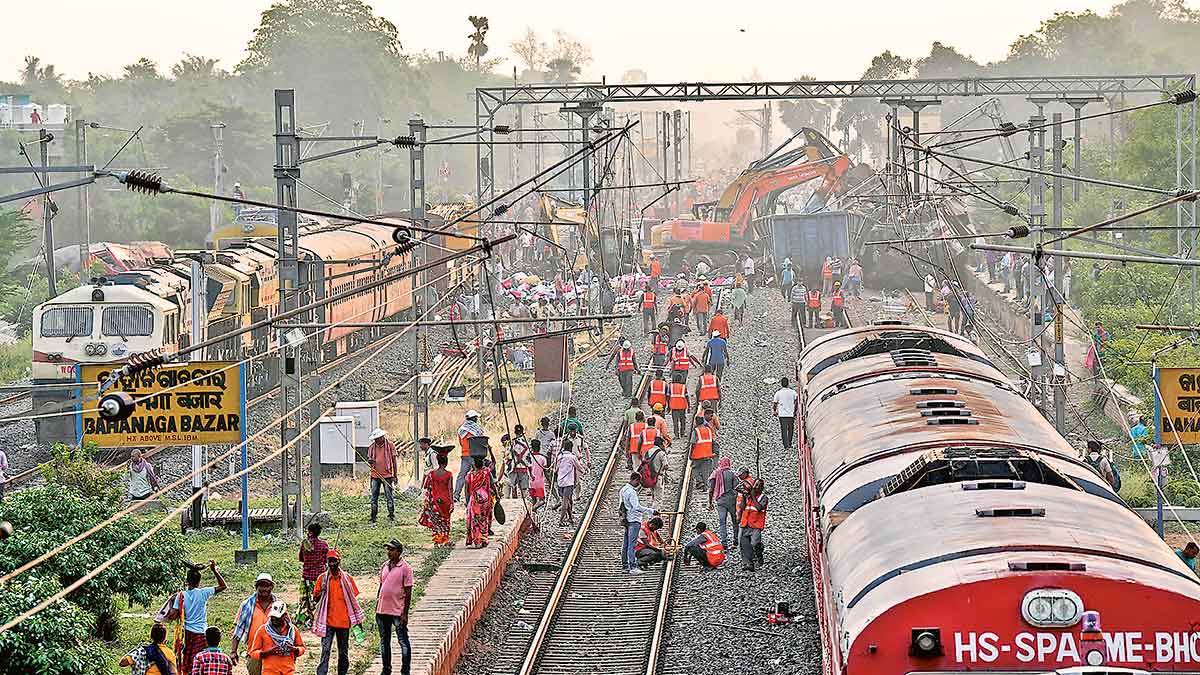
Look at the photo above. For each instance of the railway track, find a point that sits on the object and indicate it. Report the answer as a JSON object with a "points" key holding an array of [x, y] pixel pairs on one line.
{"points": [[579, 631]]}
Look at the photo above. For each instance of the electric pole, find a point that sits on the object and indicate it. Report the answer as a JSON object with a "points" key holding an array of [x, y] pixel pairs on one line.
{"points": [[214, 208], [199, 307], [1058, 380], [1037, 217], [287, 241], [416, 172], [48, 209]]}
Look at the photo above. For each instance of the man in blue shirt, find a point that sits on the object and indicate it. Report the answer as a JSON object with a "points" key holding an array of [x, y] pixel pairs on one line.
{"points": [[1188, 554], [786, 279], [195, 610], [716, 354], [633, 513], [1139, 435]]}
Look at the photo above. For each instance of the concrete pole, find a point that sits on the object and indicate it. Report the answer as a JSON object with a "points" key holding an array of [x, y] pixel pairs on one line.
{"points": [[287, 170], [1060, 396], [1037, 214], [81, 206], [214, 209], [677, 118], [48, 215], [199, 305]]}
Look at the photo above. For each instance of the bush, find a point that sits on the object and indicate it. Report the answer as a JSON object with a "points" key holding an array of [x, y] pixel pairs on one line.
{"points": [[1183, 492], [65, 638]]}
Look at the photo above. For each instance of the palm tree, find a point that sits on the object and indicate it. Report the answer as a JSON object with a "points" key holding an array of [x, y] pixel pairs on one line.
{"points": [[193, 67]]}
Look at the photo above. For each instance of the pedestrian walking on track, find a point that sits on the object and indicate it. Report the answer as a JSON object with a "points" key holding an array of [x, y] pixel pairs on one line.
{"points": [[737, 298], [709, 388], [649, 308], [679, 406], [660, 345], [716, 353], [797, 297], [567, 469], [783, 404], [439, 502], [813, 308], [722, 494], [632, 514], [392, 603], [703, 448], [626, 366]]}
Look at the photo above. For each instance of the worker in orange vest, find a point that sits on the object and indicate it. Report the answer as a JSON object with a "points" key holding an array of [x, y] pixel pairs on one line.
{"points": [[753, 522], [703, 446], [678, 306], [709, 388], [719, 324], [681, 362], [659, 421], [658, 392], [649, 547], [705, 548], [635, 440], [827, 275], [649, 308], [655, 270], [469, 429], [812, 317], [660, 345], [626, 366], [838, 305], [678, 404], [701, 303], [710, 416]]}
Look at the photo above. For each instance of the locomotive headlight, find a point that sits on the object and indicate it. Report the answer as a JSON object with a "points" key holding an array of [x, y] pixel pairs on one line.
{"points": [[101, 350], [89, 349], [925, 642], [1051, 608]]}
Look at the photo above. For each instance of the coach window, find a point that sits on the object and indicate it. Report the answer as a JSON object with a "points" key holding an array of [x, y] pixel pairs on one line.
{"points": [[67, 322], [128, 321]]}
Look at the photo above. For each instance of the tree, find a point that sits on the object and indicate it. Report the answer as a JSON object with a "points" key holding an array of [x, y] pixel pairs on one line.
{"points": [[65, 639], [566, 60], [814, 113], [530, 49], [478, 48], [143, 69], [863, 115], [192, 67]]}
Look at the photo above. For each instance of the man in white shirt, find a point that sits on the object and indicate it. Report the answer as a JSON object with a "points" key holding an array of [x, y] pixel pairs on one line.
{"points": [[748, 272], [633, 514], [784, 407], [930, 284]]}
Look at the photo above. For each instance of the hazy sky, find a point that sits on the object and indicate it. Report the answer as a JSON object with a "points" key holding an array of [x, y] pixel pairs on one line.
{"points": [[671, 41]]}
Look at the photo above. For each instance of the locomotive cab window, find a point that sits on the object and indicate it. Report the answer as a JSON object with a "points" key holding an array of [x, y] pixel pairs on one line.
{"points": [[127, 321], [67, 322]]}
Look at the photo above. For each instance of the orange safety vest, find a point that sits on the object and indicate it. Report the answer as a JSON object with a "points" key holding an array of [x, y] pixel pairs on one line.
{"points": [[648, 435], [649, 538], [708, 388], [625, 361], [701, 301], [678, 396], [647, 300], [655, 269], [658, 392], [752, 516], [720, 324], [703, 448], [661, 343], [814, 299], [713, 549], [838, 301], [680, 360], [635, 437]]}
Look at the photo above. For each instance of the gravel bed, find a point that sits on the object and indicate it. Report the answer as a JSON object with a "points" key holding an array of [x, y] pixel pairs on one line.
{"points": [[763, 347]]}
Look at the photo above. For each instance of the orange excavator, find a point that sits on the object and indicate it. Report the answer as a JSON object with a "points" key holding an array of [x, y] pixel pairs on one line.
{"points": [[726, 231]]}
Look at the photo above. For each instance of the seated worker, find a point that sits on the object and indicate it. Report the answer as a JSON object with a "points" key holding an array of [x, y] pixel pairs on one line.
{"points": [[705, 547], [649, 547]]}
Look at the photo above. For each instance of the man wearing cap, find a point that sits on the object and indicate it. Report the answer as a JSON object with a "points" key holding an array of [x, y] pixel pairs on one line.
{"points": [[468, 430], [277, 644], [701, 303], [336, 598], [253, 613], [382, 458], [391, 608]]}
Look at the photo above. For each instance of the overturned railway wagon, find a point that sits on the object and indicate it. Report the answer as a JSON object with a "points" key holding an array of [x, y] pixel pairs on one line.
{"points": [[953, 530]]}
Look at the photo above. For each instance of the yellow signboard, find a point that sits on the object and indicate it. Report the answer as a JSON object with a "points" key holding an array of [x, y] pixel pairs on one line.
{"points": [[1179, 410], [186, 404]]}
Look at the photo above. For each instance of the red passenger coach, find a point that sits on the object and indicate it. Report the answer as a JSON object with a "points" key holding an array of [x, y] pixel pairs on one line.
{"points": [[953, 530]]}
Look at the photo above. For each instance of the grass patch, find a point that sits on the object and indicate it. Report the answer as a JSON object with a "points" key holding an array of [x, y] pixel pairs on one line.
{"points": [[362, 546], [16, 359]]}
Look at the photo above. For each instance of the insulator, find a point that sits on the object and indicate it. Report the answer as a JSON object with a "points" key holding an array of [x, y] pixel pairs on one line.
{"points": [[1181, 97], [1008, 128], [116, 406], [1018, 232], [143, 181], [1188, 195], [1012, 211], [404, 239], [404, 141], [502, 129], [501, 209]]}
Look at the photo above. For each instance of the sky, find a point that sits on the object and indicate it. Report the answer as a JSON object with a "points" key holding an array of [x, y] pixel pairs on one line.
{"points": [[701, 40]]}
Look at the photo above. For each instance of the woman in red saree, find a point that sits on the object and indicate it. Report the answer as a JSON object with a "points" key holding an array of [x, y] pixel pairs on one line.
{"points": [[479, 504], [438, 502]]}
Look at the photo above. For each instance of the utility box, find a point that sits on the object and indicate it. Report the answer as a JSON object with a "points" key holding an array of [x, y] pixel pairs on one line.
{"points": [[366, 420], [552, 368], [337, 444]]}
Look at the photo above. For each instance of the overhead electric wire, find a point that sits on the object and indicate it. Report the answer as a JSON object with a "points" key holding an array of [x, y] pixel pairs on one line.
{"points": [[213, 462]]}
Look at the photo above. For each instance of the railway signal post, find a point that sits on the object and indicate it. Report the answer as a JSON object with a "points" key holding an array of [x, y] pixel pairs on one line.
{"points": [[287, 171]]}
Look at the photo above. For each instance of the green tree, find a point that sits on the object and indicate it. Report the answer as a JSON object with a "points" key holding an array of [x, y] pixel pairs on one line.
{"points": [[66, 637]]}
